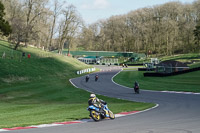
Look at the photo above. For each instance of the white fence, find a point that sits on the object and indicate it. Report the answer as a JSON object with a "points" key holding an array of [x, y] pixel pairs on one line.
{"points": [[86, 70]]}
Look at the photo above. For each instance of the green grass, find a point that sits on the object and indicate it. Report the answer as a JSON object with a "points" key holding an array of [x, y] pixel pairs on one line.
{"points": [[132, 68], [37, 90], [129, 69], [185, 57], [194, 65], [189, 82]]}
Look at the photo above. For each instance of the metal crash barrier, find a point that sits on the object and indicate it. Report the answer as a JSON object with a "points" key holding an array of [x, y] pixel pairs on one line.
{"points": [[86, 71]]}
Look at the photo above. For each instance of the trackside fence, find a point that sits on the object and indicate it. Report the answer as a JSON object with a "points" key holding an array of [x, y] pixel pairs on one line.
{"points": [[85, 71]]}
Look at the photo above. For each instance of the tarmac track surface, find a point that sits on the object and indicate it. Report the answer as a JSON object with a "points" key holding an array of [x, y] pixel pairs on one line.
{"points": [[176, 113]]}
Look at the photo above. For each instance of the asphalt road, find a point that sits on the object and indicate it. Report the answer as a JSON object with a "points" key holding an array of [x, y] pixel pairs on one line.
{"points": [[176, 113]]}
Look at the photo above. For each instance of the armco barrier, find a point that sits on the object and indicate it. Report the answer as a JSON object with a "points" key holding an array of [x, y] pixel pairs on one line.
{"points": [[170, 74], [85, 71]]}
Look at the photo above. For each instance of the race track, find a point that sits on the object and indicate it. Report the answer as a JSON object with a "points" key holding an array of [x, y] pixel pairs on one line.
{"points": [[176, 113]]}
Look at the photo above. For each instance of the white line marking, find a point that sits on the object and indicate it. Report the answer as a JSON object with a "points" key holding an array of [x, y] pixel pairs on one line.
{"points": [[46, 125], [181, 92], [118, 115], [72, 83], [121, 115], [3, 130]]}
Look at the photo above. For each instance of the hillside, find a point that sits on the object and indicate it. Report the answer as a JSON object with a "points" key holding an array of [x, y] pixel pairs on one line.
{"points": [[37, 90], [22, 74]]}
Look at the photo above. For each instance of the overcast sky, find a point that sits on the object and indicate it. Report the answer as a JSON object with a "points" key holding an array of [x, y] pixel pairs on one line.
{"points": [[93, 10]]}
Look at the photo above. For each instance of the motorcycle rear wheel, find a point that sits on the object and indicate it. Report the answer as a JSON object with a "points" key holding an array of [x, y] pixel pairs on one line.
{"points": [[136, 90], [111, 115], [95, 115]]}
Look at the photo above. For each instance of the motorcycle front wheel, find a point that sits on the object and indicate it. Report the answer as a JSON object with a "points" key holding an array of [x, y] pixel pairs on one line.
{"points": [[111, 115], [95, 115]]}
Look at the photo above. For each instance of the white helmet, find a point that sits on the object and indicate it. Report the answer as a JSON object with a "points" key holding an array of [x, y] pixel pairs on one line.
{"points": [[92, 95]]}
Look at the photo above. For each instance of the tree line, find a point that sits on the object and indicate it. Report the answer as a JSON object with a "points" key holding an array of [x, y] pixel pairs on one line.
{"points": [[167, 29], [42, 23]]}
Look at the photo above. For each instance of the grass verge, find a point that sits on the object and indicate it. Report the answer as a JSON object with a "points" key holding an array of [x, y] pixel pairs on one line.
{"points": [[185, 82]]}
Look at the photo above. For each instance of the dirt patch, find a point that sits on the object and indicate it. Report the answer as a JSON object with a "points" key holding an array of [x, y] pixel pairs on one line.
{"points": [[14, 79]]}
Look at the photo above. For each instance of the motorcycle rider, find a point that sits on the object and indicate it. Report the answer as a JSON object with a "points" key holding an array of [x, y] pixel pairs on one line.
{"points": [[97, 102], [87, 78], [136, 87], [96, 77]]}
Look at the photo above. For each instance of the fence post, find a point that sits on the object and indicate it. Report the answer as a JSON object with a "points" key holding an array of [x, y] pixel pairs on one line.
{"points": [[77, 72]]}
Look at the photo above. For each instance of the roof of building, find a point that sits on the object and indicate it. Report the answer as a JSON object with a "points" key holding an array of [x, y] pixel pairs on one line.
{"points": [[92, 57]]}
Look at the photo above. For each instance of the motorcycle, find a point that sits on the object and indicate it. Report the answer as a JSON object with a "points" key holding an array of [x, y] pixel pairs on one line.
{"points": [[96, 78], [87, 78], [101, 112], [136, 89]]}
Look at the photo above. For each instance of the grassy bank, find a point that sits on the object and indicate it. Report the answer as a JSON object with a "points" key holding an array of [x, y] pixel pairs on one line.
{"points": [[38, 91], [185, 82]]}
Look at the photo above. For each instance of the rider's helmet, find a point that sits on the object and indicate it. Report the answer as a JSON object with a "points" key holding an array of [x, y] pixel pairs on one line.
{"points": [[92, 95]]}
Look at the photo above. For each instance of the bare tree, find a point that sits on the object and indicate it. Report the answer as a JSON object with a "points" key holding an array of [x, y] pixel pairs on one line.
{"points": [[33, 9], [56, 12], [162, 29], [68, 27]]}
